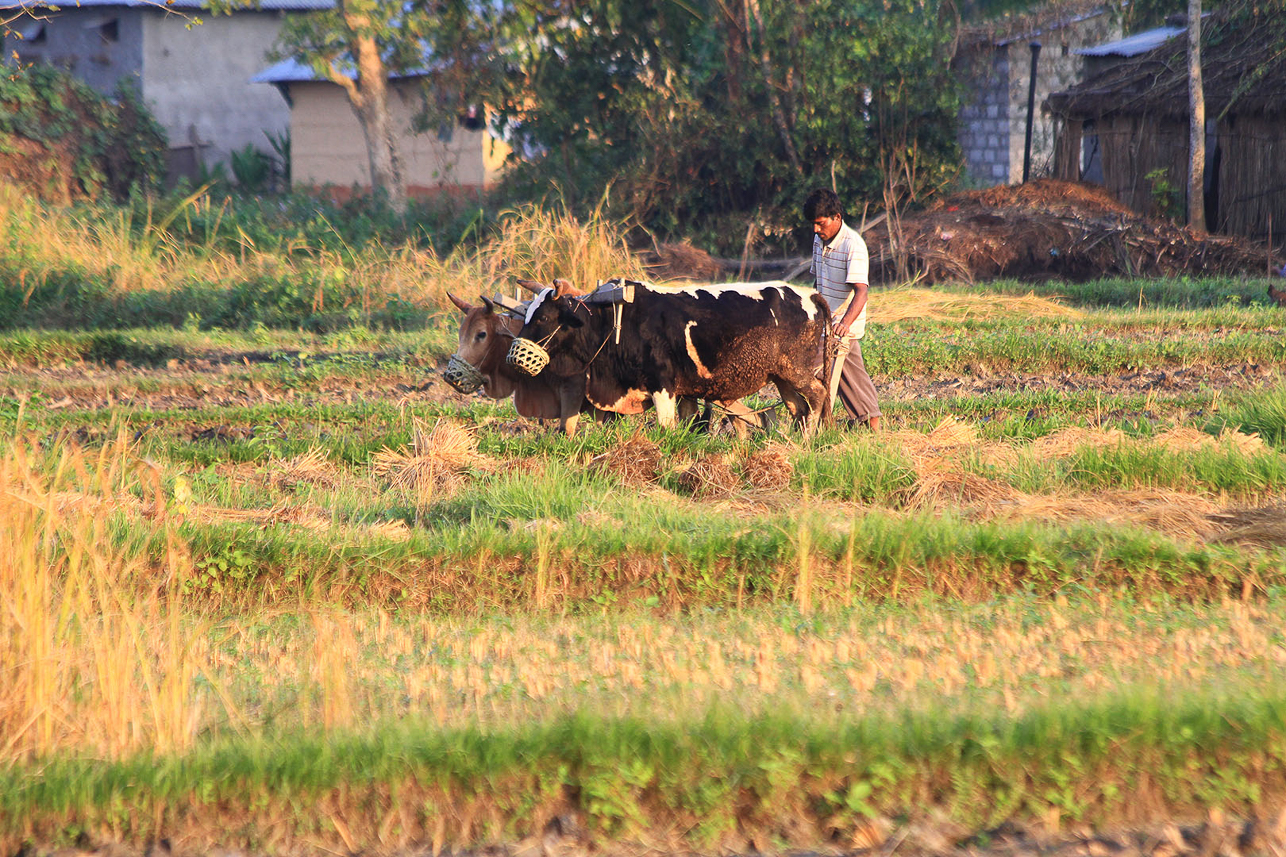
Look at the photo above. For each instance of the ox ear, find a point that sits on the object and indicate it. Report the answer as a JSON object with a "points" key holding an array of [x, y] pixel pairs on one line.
{"points": [[532, 286], [459, 302]]}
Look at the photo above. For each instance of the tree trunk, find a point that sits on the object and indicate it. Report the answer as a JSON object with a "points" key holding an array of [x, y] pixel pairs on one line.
{"points": [[734, 45], [368, 96], [1197, 122]]}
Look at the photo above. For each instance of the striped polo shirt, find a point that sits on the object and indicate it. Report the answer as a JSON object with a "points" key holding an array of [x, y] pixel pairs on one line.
{"points": [[837, 264]]}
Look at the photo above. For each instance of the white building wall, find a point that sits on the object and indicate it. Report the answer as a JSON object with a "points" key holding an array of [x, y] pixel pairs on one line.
{"points": [[985, 124], [197, 82]]}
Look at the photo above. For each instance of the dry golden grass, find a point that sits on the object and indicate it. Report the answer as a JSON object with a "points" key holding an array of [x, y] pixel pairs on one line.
{"points": [[93, 654], [1176, 513], [1264, 526], [461, 672], [531, 243], [537, 245], [893, 305]]}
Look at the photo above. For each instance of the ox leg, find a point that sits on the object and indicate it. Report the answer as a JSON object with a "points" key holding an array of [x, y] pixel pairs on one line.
{"points": [[801, 411], [687, 408], [571, 397], [820, 408], [665, 406]]}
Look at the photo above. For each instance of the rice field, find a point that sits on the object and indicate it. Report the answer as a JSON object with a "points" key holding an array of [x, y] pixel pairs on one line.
{"points": [[280, 589]]}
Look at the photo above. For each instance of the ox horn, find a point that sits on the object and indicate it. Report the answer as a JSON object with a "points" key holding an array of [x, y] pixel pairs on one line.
{"points": [[459, 302], [532, 286]]}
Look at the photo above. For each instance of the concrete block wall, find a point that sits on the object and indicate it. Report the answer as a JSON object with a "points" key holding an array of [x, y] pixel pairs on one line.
{"points": [[993, 119], [985, 122]]}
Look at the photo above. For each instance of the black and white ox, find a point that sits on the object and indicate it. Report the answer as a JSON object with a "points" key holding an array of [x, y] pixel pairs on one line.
{"points": [[719, 343], [486, 333]]}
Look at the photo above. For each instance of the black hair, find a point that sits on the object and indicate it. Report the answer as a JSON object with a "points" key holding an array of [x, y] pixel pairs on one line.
{"points": [[822, 202]]}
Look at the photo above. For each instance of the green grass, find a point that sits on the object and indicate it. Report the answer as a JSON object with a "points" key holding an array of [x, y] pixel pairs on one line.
{"points": [[727, 774], [1176, 292], [896, 349]]}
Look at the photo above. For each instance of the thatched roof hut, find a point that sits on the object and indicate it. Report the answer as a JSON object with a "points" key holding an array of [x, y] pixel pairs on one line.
{"points": [[1127, 126]]}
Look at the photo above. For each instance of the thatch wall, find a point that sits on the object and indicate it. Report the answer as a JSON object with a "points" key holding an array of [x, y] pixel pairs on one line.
{"points": [[1252, 177], [1138, 109], [1246, 182], [1132, 148]]}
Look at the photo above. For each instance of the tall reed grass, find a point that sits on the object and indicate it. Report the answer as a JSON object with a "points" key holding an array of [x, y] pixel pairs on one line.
{"points": [[92, 268], [95, 654]]}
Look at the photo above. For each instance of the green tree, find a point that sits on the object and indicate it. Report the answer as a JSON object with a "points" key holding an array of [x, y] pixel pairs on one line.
{"points": [[697, 108]]}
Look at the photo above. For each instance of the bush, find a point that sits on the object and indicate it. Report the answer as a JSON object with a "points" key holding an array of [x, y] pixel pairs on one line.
{"points": [[61, 140]]}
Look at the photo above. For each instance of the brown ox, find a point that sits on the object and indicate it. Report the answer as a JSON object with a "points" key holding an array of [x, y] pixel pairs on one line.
{"points": [[486, 332]]}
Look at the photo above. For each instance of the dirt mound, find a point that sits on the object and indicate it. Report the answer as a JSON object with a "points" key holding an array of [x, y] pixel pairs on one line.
{"points": [[1041, 195], [681, 261], [1049, 229]]}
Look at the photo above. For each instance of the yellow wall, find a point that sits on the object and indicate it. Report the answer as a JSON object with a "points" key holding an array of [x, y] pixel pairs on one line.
{"points": [[327, 145]]}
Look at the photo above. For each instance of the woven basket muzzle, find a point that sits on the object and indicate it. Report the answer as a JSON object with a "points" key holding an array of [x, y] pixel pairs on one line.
{"points": [[528, 356], [462, 375]]}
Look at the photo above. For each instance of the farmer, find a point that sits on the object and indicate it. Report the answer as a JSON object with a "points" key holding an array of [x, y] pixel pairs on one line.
{"points": [[839, 270]]}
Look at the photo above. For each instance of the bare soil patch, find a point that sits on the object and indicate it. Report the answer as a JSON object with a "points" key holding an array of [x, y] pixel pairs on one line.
{"points": [[191, 388], [1189, 379]]}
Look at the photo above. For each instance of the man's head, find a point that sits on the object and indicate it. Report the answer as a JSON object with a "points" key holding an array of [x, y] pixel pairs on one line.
{"points": [[824, 211]]}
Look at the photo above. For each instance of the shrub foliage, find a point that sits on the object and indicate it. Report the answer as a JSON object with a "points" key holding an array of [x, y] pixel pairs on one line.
{"points": [[62, 141]]}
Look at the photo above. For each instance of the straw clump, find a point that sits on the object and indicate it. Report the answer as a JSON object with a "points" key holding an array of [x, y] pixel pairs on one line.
{"points": [[1065, 443], [1188, 439], [311, 468], [436, 461], [948, 486], [948, 436], [769, 469], [710, 476], [635, 461]]}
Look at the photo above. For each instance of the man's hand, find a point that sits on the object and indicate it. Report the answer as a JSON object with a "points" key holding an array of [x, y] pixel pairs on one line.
{"points": [[841, 327]]}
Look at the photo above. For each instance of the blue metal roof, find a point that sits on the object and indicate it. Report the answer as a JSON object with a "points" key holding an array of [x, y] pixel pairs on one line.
{"points": [[163, 5], [1132, 46], [294, 71]]}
